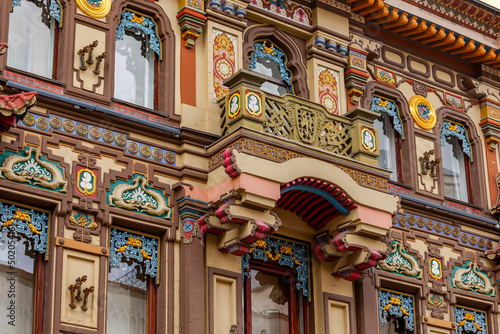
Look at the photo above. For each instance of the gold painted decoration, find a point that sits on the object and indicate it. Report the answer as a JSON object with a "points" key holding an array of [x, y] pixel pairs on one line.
{"points": [[94, 8], [423, 112]]}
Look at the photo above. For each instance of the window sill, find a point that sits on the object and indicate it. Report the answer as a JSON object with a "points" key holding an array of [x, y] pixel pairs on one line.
{"points": [[35, 76], [470, 205], [137, 107]]}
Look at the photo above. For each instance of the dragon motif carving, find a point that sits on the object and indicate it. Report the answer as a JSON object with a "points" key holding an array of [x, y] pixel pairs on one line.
{"points": [[401, 262], [470, 278], [33, 170]]}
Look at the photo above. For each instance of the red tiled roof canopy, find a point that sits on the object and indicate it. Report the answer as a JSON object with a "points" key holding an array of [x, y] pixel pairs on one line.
{"points": [[14, 107]]}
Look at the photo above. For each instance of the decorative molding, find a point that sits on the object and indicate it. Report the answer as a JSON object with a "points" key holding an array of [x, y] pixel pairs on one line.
{"points": [[286, 9], [144, 249], [34, 83], [469, 277]]}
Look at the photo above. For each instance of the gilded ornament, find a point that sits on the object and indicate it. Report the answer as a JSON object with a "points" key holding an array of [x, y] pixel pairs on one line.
{"points": [[133, 148], [489, 244], [68, 126], [42, 123], [480, 242], [95, 133], [438, 227], [157, 154], [29, 120], [411, 220], [472, 240], [447, 229], [108, 136], [169, 157], [420, 222], [435, 268], [94, 8], [429, 224], [145, 151], [121, 140], [423, 112], [83, 220], [455, 231], [55, 122], [402, 221], [82, 129]]}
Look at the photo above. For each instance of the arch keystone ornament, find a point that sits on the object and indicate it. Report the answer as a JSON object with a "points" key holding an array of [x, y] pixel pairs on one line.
{"points": [[94, 8], [423, 112]]}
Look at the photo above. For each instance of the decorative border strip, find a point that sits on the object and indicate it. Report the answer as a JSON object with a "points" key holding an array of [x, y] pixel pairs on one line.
{"points": [[281, 155], [138, 114], [447, 230], [101, 135], [34, 83], [286, 9], [463, 208]]}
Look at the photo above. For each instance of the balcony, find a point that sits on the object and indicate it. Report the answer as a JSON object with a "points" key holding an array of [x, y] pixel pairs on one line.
{"points": [[297, 119]]}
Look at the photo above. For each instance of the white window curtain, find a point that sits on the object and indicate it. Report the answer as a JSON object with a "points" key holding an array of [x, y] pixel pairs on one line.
{"points": [[134, 69], [31, 38], [387, 145], [455, 178]]}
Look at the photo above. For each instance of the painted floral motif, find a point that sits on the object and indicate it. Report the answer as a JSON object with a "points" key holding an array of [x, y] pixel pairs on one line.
{"points": [[396, 305], [224, 61], [254, 104], [454, 101], [470, 278], [424, 111], [385, 76], [400, 262], [470, 321], [86, 181], [94, 3], [329, 89], [83, 219], [435, 268], [368, 139], [288, 9]]}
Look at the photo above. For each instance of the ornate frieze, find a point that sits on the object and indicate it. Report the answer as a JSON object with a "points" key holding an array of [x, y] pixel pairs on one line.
{"points": [[469, 277], [137, 195], [381, 104], [470, 321], [328, 89], [396, 305], [144, 249], [21, 221], [401, 262], [286, 253], [134, 20], [455, 129], [225, 56], [385, 76], [31, 166]]}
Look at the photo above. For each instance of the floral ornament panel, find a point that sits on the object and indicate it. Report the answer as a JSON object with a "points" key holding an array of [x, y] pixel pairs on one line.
{"points": [[396, 305], [94, 8], [381, 104], [137, 195], [225, 56], [31, 166], [144, 249], [21, 221], [134, 20], [287, 9], [470, 321], [286, 254], [368, 139], [400, 262], [86, 181], [423, 112], [469, 277], [83, 219], [386, 77], [267, 49], [455, 129], [328, 86], [234, 105]]}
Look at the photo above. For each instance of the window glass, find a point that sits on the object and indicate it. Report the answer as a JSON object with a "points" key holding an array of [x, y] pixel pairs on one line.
{"points": [[16, 285], [31, 38], [134, 69], [454, 172], [387, 145], [271, 69], [127, 300]]}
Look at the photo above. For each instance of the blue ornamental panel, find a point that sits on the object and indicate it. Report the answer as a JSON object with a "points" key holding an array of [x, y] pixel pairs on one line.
{"points": [[396, 305], [454, 129], [266, 49], [140, 248], [381, 104], [286, 254], [470, 321], [21, 221], [55, 9], [134, 20]]}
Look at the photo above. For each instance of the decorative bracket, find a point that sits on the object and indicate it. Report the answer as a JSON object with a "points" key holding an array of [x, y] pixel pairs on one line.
{"points": [[191, 22]]}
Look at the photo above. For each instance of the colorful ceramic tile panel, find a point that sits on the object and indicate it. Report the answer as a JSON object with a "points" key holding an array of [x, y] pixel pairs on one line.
{"points": [[328, 86], [386, 77], [34, 83], [357, 59], [225, 53], [289, 9], [454, 101]]}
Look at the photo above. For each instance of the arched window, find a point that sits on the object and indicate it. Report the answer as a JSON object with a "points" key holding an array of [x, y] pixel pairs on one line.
{"points": [[32, 26], [138, 48]]}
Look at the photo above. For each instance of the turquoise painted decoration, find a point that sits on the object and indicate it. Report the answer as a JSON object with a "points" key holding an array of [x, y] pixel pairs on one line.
{"points": [[286, 254], [396, 305], [134, 20], [469, 277], [21, 221], [266, 49], [400, 262], [470, 321], [455, 129], [143, 249], [137, 195], [381, 104]]}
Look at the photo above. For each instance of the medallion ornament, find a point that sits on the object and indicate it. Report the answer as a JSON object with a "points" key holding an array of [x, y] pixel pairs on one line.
{"points": [[94, 8], [423, 112]]}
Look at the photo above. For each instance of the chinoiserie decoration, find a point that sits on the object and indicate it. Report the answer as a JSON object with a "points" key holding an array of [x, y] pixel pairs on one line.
{"points": [[470, 321], [451, 128], [428, 166], [146, 24], [286, 254], [32, 168], [469, 277], [381, 104], [396, 305], [94, 8], [400, 262], [82, 219], [423, 112], [138, 196], [20, 221], [55, 9], [76, 291], [143, 249]]}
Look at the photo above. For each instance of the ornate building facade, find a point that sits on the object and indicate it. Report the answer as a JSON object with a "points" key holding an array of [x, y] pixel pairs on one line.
{"points": [[237, 166]]}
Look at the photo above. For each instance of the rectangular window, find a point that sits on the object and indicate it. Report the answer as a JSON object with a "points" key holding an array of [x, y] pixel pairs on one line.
{"points": [[396, 312]]}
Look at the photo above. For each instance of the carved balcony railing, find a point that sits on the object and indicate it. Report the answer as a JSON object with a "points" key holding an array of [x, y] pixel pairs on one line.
{"points": [[297, 119]]}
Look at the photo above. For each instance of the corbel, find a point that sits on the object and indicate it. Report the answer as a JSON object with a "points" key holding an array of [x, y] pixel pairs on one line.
{"points": [[191, 22]]}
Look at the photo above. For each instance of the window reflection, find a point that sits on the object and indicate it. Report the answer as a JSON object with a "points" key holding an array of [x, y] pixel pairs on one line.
{"points": [[387, 145], [454, 172]]}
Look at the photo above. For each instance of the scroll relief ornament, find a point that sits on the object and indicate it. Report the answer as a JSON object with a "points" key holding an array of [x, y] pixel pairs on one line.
{"points": [[32, 168], [468, 277], [400, 262], [137, 197]]}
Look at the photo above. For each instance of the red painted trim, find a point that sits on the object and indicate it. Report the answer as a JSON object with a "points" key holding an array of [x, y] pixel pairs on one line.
{"points": [[491, 163], [151, 306], [490, 121], [39, 293], [188, 75]]}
